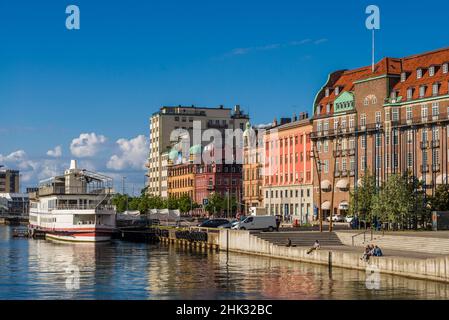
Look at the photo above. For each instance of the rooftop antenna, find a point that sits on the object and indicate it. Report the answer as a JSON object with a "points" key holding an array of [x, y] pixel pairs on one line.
{"points": [[373, 23]]}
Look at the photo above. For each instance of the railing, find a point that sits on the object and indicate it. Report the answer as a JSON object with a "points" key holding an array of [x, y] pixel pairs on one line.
{"points": [[435, 144], [364, 234]]}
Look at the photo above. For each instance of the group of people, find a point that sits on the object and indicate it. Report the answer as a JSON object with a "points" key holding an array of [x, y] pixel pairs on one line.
{"points": [[371, 251]]}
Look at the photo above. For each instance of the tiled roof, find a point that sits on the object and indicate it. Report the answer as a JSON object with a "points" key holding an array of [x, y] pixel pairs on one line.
{"points": [[393, 66], [425, 61]]}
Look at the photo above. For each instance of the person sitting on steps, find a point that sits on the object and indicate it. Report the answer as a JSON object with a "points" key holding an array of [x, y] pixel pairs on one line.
{"points": [[316, 246]]}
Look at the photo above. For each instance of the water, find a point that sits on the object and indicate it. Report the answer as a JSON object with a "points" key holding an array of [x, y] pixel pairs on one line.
{"points": [[39, 269]]}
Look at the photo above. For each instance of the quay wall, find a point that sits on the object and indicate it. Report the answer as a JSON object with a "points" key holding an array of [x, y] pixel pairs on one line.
{"points": [[429, 269]]}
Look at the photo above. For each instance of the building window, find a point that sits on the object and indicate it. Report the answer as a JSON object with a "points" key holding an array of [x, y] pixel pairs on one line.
{"points": [[326, 166], [363, 120], [328, 108], [445, 68], [327, 92], [335, 124], [422, 91], [403, 76], [409, 113], [435, 109], [419, 73], [432, 71], [363, 142], [366, 101], [409, 160], [378, 117], [424, 112], [344, 167], [410, 93], [326, 125], [351, 122], [326, 146], [363, 163], [409, 136], [318, 126], [337, 91], [435, 89], [395, 114], [352, 164]]}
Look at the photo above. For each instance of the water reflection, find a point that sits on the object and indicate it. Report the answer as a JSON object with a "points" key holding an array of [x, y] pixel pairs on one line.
{"points": [[31, 269]]}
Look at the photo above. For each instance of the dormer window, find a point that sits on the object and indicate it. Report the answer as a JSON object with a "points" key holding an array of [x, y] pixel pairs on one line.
{"points": [[445, 67], [403, 76], [327, 92], [410, 93], [337, 91], [393, 95], [419, 73], [432, 71], [435, 89], [422, 91], [328, 108]]}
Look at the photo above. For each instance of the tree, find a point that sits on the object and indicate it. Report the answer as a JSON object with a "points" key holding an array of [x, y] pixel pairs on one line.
{"points": [[440, 201], [120, 201], [185, 204], [216, 204], [361, 200]]}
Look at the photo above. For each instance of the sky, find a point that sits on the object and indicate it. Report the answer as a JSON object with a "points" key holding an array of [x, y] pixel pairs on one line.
{"points": [[87, 94]]}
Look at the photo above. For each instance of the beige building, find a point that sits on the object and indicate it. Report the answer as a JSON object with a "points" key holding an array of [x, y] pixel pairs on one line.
{"points": [[9, 181], [168, 119]]}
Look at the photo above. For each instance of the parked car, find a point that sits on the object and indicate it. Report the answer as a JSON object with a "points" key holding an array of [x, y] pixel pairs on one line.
{"points": [[214, 223], [349, 219], [336, 218], [266, 223], [229, 225]]}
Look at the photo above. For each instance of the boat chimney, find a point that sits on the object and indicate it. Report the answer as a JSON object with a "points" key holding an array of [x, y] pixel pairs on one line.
{"points": [[73, 165]]}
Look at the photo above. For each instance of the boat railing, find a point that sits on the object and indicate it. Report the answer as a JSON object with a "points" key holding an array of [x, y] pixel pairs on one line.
{"points": [[92, 206]]}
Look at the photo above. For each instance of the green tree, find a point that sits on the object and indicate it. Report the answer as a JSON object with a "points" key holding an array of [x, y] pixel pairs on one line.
{"points": [[361, 199], [185, 204], [215, 205], [440, 201], [120, 201]]}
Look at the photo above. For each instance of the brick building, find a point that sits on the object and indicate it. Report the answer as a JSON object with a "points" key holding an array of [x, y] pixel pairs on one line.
{"points": [[390, 119]]}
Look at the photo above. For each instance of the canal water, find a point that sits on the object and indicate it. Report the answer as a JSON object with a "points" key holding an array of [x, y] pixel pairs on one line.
{"points": [[39, 269]]}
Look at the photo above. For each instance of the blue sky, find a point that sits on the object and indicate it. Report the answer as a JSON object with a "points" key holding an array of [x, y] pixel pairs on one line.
{"points": [[130, 57]]}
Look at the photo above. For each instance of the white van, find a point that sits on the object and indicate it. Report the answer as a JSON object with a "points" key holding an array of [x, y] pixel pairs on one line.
{"points": [[258, 223]]}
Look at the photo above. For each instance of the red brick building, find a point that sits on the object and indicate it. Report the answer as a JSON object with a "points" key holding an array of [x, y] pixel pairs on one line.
{"points": [[390, 120]]}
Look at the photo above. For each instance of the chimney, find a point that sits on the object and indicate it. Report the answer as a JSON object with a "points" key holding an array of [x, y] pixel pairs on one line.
{"points": [[275, 122], [295, 118], [73, 165], [237, 109]]}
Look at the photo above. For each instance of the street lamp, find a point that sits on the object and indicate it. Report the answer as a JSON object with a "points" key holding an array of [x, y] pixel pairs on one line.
{"points": [[317, 161]]}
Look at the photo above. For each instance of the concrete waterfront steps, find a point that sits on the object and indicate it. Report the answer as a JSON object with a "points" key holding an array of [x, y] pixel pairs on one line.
{"points": [[300, 238], [423, 242]]}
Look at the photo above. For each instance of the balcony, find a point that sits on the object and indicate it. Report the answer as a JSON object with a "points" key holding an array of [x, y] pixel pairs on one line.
{"points": [[352, 173], [424, 168], [344, 173], [436, 167], [424, 144], [435, 144], [338, 174]]}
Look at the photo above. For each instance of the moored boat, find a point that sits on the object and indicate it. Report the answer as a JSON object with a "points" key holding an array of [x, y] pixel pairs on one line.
{"points": [[74, 207]]}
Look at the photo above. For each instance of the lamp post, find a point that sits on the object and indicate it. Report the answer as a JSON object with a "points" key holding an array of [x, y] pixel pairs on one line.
{"points": [[335, 154], [317, 162]]}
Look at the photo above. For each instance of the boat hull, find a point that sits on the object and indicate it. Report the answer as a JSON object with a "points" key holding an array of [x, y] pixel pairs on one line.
{"points": [[78, 235]]}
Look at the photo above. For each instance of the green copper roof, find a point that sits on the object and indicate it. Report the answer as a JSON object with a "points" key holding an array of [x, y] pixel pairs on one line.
{"points": [[173, 155], [344, 102], [196, 149]]}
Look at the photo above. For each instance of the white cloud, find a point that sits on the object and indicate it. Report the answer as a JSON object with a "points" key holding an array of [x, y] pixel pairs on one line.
{"points": [[133, 154], [87, 145], [55, 153], [31, 170]]}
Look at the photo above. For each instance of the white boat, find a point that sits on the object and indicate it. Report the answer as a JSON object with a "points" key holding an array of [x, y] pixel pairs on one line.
{"points": [[74, 207]]}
